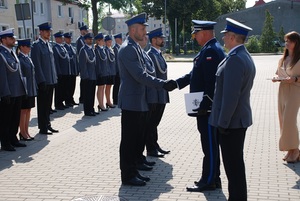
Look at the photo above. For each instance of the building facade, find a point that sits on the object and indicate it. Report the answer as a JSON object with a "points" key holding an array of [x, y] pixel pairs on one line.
{"points": [[64, 17]]}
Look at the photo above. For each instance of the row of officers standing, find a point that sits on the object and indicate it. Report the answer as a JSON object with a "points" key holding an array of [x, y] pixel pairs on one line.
{"points": [[40, 70]]}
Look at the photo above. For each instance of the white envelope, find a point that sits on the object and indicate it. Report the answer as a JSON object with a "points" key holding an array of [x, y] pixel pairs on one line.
{"points": [[192, 101]]}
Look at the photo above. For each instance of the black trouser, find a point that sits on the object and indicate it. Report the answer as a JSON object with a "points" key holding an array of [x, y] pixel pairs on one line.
{"points": [[210, 148], [232, 148], [116, 89], [9, 121], [88, 92], [61, 90], [154, 120], [132, 136], [44, 102], [81, 96], [70, 89]]}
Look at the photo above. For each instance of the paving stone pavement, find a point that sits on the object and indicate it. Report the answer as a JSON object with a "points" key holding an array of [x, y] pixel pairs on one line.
{"points": [[83, 158]]}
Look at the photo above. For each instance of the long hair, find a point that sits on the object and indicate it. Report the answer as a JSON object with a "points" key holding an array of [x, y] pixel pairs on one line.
{"points": [[295, 38]]}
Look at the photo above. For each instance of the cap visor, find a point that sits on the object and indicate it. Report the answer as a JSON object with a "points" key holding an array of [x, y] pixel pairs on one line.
{"points": [[224, 31]]}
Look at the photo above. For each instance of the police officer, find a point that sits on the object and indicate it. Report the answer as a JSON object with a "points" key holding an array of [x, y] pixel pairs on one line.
{"points": [[12, 88], [158, 106], [111, 61], [74, 70], [102, 70], [46, 77], [231, 110], [116, 47], [28, 71], [63, 69], [132, 99], [80, 42], [202, 79], [87, 63]]}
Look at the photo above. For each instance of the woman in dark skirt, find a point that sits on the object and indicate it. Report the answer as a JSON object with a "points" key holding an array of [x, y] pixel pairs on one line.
{"points": [[28, 102], [112, 70], [101, 70]]}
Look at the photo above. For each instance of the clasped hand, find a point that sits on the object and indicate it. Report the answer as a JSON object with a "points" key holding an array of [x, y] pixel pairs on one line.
{"points": [[170, 85]]}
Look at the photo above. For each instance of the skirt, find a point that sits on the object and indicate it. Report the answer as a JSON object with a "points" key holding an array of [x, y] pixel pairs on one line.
{"points": [[28, 102]]}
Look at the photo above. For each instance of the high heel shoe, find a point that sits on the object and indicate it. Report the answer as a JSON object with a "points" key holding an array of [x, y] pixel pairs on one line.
{"points": [[110, 106], [24, 139], [101, 109], [295, 159]]}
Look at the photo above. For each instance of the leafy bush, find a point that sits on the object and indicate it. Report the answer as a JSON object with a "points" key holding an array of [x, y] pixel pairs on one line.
{"points": [[253, 44]]}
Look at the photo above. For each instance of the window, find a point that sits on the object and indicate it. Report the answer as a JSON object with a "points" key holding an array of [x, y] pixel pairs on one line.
{"points": [[28, 33], [154, 25], [34, 7], [3, 27], [59, 11], [20, 32], [70, 12], [42, 8], [3, 4]]}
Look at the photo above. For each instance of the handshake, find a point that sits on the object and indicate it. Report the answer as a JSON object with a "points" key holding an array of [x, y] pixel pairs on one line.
{"points": [[170, 85]]}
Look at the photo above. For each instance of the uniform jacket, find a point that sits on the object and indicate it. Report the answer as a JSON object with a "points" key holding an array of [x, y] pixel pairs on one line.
{"points": [[161, 72], [73, 60], [102, 67], [79, 43], [111, 60], [202, 77], [87, 63], [151, 92], [43, 60], [62, 60], [28, 71], [116, 48], [234, 80], [134, 77], [11, 79]]}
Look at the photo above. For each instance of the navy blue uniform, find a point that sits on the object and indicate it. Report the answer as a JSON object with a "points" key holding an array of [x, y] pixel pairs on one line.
{"points": [[28, 71], [160, 104], [12, 88], [117, 76], [134, 105], [63, 69], [202, 78], [111, 61], [102, 67], [87, 63], [74, 73], [79, 44], [46, 78]]}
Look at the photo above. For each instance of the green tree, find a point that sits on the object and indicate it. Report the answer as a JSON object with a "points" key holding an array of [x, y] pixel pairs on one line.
{"points": [[253, 44], [281, 34], [268, 35], [190, 9]]}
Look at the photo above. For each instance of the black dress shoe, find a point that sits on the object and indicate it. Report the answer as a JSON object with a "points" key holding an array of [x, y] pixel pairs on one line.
{"points": [[60, 108], [45, 132], [163, 151], [143, 167], [53, 111], [201, 187], [155, 153], [110, 106], [149, 163], [75, 103], [142, 177], [218, 184], [52, 130], [90, 114], [8, 148], [18, 144], [135, 181], [96, 113]]}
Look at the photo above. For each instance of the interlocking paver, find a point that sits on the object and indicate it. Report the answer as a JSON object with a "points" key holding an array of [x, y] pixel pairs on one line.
{"points": [[83, 158]]}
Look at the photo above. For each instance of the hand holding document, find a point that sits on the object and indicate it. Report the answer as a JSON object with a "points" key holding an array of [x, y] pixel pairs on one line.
{"points": [[192, 101]]}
